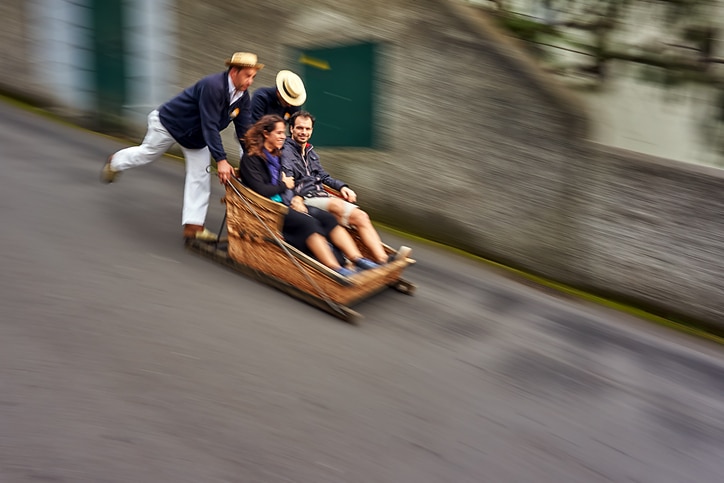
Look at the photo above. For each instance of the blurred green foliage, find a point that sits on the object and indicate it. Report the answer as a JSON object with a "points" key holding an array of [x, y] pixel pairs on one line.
{"points": [[526, 28]]}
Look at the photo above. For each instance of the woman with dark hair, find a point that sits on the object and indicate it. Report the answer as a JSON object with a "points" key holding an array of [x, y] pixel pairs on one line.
{"points": [[308, 229]]}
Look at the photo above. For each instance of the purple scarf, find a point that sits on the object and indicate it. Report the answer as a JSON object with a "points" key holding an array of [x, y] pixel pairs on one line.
{"points": [[275, 166]]}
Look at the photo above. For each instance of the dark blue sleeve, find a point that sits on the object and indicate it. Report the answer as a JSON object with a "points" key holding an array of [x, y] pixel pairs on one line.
{"points": [[259, 105], [242, 122], [287, 197], [286, 157], [211, 104]]}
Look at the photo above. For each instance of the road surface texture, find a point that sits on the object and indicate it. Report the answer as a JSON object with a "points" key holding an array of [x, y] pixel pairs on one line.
{"points": [[125, 358]]}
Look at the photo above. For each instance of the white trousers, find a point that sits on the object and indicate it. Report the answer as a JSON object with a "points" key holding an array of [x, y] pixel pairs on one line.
{"points": [[197, 187]]}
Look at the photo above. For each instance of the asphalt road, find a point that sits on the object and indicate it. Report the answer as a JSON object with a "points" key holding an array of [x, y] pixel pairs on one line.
{"points": [[125, 358]]}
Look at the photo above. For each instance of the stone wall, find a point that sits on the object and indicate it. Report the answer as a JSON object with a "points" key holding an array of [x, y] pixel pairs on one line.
{"points": [[652, 231], [484, 153], [15, 56]]}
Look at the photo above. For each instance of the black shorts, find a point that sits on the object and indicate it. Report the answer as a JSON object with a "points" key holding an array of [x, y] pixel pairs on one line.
{"points": [[299, 226]]}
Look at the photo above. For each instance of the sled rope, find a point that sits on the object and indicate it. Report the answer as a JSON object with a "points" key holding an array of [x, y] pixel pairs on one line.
{"points": [[299, 266]]}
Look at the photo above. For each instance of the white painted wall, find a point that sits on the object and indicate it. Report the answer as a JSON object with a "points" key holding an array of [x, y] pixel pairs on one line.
{"points": [[60, 50], [62, 56], [151, 45]]}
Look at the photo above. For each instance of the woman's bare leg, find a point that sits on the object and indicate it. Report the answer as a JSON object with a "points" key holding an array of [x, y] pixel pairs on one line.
{"points": [[343, 240], [319, 246]]}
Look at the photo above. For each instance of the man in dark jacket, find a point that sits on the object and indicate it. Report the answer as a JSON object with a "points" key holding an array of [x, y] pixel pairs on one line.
{"points": [[283, 100], [194, 119], [300, 161]]}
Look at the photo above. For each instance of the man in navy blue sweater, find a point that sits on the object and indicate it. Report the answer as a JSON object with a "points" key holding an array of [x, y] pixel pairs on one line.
{"points": [[194, 119], [283, 100]]}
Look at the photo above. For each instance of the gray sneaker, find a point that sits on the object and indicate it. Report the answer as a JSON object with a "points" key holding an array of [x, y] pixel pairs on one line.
{"points": [[108, 174], [403, 253]]}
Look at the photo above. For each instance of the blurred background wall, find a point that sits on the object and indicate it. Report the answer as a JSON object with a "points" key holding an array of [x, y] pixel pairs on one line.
{"points": [[441, 123]]}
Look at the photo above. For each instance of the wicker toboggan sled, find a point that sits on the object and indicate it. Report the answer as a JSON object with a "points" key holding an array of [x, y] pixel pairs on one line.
{"points": [[255, 247]]}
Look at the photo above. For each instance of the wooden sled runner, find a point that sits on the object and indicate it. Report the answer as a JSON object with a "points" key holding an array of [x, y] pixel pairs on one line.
{"points": [[255, 247]]}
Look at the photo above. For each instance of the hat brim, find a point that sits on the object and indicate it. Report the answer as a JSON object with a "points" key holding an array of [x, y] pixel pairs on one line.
{"points": [[229, 63], [292, 101]]}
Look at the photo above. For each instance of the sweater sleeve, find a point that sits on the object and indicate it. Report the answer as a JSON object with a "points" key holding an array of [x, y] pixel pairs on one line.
{"points": [[242, 122], [211, 103], [258, 105]]}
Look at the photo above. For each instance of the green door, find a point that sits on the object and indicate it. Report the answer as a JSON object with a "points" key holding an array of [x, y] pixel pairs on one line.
{"points": [[340, 93], [109, 57]]}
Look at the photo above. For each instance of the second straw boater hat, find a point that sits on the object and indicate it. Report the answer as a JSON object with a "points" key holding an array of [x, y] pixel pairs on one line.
{"points": [[244, 59], [291, 88]]}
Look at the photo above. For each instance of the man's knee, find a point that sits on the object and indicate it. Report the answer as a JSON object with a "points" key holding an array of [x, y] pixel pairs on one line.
{"points": [[335, 206], [359, 218]]}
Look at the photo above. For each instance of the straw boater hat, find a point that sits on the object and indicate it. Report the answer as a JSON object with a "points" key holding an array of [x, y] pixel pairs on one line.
{"points": [[291, 88], [243, 59]]}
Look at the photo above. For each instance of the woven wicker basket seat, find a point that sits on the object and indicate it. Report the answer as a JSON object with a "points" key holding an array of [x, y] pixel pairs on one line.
{"points": [[254, 225]]}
